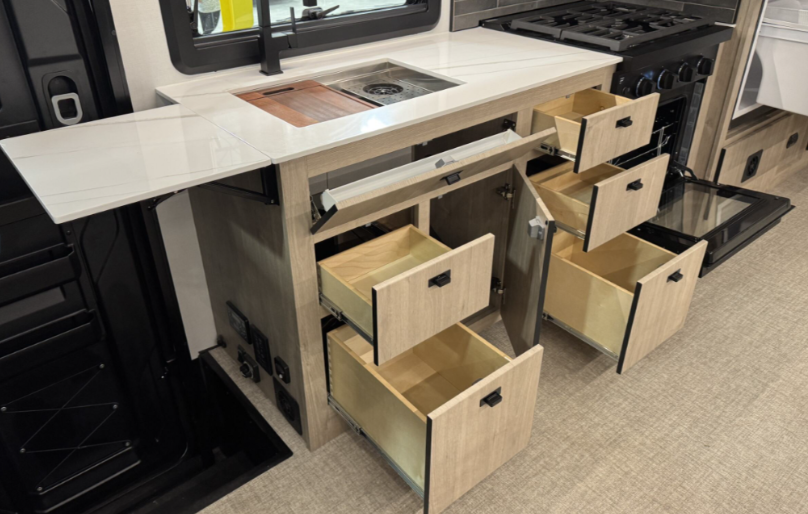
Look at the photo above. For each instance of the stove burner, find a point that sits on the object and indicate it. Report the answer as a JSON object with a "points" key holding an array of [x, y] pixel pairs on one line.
{"points": [[610, 24], [383, 89]]}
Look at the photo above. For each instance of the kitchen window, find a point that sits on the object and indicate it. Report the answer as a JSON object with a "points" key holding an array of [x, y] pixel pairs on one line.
{"points": [[210, 35]]}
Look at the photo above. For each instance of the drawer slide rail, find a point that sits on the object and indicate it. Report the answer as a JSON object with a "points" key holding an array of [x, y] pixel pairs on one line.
{"points": [[566, 228], [358, 429], [594, 344], [337, 313], [557, 152]]}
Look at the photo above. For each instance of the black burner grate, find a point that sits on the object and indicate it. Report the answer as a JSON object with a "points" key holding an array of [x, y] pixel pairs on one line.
{"points": [[613, 25]]}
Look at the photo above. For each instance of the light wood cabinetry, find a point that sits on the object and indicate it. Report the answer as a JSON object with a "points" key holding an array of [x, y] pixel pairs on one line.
{"points": [[723, 145], [597, 271], [605, 201], [625, 298], [401, 288], [423, 180], [758, 156], [444, 406], [594, 126], [446, 413]]}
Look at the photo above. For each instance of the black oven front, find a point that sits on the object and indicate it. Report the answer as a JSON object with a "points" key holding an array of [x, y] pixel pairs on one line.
{"points": [[674, 126]]}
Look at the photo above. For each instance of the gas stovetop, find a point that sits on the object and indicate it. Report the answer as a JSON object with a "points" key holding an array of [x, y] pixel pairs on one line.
{"points": [[611, 25]]}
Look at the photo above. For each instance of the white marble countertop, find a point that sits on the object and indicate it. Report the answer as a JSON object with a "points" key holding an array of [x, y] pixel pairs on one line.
{"points": [[92, 167], [489, 64]]}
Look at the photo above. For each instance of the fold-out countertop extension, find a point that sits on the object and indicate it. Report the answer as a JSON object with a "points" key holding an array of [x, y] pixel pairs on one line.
{"points": [[92, 167], [210, 134]]}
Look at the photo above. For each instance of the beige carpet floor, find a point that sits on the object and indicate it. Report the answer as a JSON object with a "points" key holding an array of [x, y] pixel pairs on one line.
{"points": [[714, 421]]}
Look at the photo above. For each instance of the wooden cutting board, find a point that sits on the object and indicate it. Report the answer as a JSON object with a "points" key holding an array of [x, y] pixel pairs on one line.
{"points": [[305, 103]]}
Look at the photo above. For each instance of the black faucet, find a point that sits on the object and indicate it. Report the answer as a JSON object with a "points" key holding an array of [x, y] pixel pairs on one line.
{"points": [[271, 47]]}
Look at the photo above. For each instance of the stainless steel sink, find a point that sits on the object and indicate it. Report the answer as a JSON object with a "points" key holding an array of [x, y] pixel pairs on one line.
{"points": [[385, 83]]}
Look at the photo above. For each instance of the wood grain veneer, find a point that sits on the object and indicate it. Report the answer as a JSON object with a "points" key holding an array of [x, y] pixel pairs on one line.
{"points": [[305, 103]]}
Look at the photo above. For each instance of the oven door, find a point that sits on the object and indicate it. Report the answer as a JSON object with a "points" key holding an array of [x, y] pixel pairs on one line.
{"points": [[727, 217], [674, 126]]}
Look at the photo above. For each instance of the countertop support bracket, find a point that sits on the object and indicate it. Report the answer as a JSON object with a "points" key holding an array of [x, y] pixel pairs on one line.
{"points": [[157, 200], [269, 188]]}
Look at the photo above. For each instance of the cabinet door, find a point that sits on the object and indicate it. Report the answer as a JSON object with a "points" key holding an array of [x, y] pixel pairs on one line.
{"points": [[527, 259]]}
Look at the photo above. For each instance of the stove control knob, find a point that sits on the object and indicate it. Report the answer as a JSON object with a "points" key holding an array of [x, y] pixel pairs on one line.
{"points": [[705, 66], [686, 73], [666, 80], [643, 87]]}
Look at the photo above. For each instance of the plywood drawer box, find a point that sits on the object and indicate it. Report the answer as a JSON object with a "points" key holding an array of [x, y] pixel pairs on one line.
{"points": [[404, 287], [625, 298], [446, 413], [604, 202], [424, 179], [594, 127]]}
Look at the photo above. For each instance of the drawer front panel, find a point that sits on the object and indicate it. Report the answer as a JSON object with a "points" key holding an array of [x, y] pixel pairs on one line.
{"points": [[616, 131], [427, 185], [446, 414], [622, 202], [605, 202], [469, 437], [661, 302], [419, 303]]}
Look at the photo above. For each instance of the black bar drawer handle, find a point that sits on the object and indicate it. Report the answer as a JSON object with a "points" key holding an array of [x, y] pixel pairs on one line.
{"points": [[676, 276], [493, 399], [441, 280], [635, 186], [452, 179], [625, 122]]}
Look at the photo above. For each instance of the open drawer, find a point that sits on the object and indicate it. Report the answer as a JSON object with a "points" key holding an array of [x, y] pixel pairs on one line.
{"points": [[625, 298], [446, 413], [404, 287], [594, 127], [424, 179], [604, 202]]}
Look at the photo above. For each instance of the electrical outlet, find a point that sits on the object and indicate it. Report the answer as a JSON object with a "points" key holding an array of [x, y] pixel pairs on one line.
{"points": [[260, 345], [752, 165], [282, 370], [249, 368], [288, 406], [238, 321], [792, 140]]}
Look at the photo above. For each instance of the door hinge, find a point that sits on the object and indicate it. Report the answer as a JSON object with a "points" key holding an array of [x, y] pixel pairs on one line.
{"points": [[506, 191], [315, 212], [536, 228], [497, 286]]}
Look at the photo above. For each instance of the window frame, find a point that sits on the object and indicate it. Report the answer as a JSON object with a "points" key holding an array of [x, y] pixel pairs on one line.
{"points": [[200, 54]]}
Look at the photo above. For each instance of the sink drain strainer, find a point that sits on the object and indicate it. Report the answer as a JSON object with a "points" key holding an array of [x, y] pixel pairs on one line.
{"points": [[383, 89]]}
